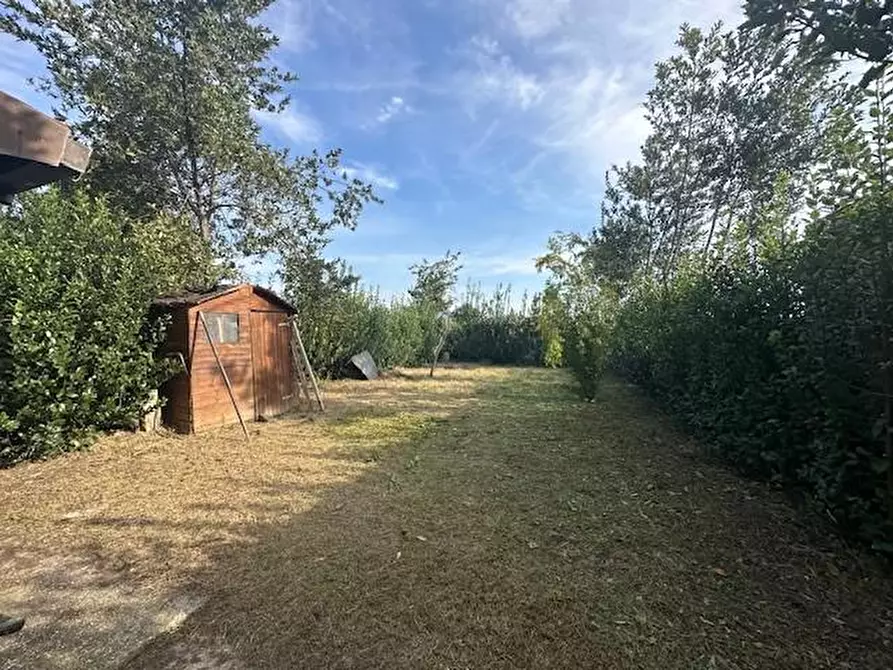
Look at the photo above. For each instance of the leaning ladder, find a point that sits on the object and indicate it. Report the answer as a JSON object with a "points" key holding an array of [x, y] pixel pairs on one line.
{"points": [[306, 380]]}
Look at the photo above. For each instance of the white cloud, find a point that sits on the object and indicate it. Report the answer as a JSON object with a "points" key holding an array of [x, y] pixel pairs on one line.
{"points": [[297, 127], [478, 145], [499, 265], [474, 264], [571, 76], [371, 175], [387, 259], [393, 107], [293, 23], [596, 116], [653, 23]]}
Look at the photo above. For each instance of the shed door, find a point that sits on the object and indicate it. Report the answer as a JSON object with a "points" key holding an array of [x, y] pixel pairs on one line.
{"points": [[271, 358]]}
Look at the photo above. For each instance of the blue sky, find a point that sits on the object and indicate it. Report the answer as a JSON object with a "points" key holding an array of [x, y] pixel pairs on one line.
{"points": [[486, 125]]}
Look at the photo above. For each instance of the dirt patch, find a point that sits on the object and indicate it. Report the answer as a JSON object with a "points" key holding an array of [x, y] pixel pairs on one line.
{"points": [[486, 518]]}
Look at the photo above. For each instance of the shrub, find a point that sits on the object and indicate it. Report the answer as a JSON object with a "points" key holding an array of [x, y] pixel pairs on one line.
{"points": [[341, 319], [490, 328], [506, 339], [351, 320], [783, 363], [76, 345]]}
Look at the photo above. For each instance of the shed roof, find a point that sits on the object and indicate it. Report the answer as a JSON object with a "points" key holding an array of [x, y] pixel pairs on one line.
{"points": [[35, 149], [191, 298]]}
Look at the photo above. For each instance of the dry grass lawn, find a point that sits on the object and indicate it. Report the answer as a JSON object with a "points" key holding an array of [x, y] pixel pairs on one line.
{"points": [[485, 519]]}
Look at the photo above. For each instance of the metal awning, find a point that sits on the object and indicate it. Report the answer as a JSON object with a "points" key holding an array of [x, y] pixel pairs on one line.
{"points": [[35, 149]]}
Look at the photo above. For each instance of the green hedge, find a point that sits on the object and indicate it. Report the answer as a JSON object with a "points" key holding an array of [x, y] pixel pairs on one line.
{"points": [[783, 364], [76, 346], [340, 323], [505, 339]]}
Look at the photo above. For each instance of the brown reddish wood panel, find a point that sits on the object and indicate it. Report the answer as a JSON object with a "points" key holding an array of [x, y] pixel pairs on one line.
{"points": [[273, 382], [261, 303], [258, 365], [211, 403]]}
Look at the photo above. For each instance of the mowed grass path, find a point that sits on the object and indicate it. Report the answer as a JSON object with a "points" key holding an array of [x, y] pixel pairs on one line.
{"points": [[486, 519], [506, 524]]}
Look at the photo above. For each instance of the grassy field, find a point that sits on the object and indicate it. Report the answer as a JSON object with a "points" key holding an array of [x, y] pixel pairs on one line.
{"points": [[483, 519]]}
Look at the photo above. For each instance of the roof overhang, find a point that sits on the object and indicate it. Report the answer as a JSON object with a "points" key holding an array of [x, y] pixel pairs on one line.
{"points": [[35, 149], [193, 298]]}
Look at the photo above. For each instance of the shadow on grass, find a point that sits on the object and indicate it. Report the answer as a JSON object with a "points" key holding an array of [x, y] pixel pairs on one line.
{"points": [[417, 563], [76, 561], [493, 520], [531, 530]]}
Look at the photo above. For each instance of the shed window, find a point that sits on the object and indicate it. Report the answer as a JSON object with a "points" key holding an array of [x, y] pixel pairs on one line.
{"points": [[224, 327]]}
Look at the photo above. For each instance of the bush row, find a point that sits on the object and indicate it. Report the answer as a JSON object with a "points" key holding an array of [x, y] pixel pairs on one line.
{"points": [[76, 346], [782, 362], [403, 333]]}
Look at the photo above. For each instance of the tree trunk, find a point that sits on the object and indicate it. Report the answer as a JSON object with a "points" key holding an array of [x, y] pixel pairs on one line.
{"points": [[888, 428], [202, 221], [436, 353]]}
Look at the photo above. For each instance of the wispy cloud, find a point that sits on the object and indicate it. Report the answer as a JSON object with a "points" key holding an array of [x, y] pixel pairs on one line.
{"points": [[385, 259], [358, 85], [372, 175], [292, 21], [570, 77], [536, 18], [478, 145], [527, 103], [297, 127], [475, 265], [500, 265], [595, 117], [493, 76]]}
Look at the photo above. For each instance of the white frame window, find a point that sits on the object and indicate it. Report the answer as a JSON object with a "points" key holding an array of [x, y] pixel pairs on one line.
{"points": [[224, 327]]}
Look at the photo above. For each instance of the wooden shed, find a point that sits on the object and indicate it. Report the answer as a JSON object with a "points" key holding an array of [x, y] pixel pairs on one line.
{"points": [[251, 329]]}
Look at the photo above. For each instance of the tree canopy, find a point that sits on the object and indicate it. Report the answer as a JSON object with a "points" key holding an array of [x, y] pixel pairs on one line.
{"points": [[168, 93], [434, 281], [860, 29]]}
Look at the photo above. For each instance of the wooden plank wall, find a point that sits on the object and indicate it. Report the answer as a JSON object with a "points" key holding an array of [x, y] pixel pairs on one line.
{"points": [[273, 378], [273, 371], [211, 404], [261, 304]]}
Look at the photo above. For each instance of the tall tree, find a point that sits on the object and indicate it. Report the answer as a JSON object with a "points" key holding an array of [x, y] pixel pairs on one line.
{"points": [[653, 211], [774, 102], [168, 92], [730, 113], [434, 281], [684, 115]]}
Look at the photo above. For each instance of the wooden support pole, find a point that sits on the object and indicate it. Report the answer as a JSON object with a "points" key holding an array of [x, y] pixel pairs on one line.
{"points": [[229, 387]]}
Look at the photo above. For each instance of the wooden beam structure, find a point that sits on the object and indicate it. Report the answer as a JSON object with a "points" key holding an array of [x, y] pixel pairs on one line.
{"points": [[35, 149]]}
